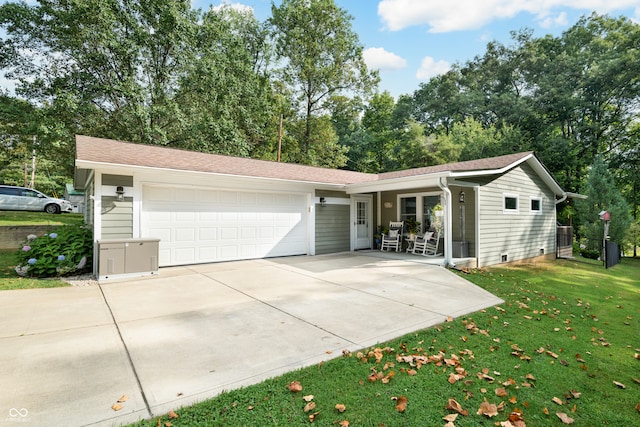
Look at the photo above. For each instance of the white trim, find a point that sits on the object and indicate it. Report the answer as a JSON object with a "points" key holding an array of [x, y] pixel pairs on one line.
{"points": [[476, 190], [535, 211], [504, 203]]}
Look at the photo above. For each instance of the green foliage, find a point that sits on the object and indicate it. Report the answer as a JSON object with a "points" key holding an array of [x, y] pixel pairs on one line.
{"points": [[66, 251], [322, 56], [602, 195]]}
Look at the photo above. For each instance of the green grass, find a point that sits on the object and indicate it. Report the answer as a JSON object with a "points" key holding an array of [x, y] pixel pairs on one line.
{"points": [[567, 330], [9, 280], [38, 218]]}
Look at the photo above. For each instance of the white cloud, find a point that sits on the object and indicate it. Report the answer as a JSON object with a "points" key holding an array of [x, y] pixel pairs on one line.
{"points": [[236, 6], [431, 68], [455, 15], [554, 21], [377, 58]]}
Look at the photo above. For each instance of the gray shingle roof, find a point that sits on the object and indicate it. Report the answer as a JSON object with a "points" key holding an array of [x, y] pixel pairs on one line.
{"points": [[108, 151]]}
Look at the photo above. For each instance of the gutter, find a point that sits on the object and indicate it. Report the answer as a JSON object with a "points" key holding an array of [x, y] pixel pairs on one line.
{"points": [[448, 245], [567, 194]]}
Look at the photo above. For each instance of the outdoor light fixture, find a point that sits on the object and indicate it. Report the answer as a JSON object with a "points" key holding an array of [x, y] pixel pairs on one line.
{"points": [[461, 197], [323, 202], [120, 193]]}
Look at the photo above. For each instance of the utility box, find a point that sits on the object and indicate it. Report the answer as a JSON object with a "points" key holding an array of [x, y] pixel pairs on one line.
{"points": [[460, 249], [120, 258]]}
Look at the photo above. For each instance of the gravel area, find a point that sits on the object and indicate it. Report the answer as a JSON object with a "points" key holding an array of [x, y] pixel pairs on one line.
{"points": [[81, 280]]}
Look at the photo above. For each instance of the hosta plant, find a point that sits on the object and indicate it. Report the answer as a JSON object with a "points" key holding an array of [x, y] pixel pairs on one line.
{"points": [[66, 251]]}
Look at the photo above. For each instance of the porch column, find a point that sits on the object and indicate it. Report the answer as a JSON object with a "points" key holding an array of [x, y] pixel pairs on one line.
{"points": [[448, 243]]}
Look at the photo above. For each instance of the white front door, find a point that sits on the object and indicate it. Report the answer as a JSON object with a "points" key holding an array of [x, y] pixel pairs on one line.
{"points": [[361, 214]]}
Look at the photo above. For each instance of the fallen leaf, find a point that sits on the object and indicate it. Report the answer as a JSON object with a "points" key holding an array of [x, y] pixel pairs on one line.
{"points": [[124, 398], [294, 386], [312, 417], [451, 417], [340, 407], [638, 407], [453, 405], [344, 423], [449, 424], [565, 418], [172, 415], [620, 384], [168, 424], [309, 406], [558, 401], [116, 406], [513, 400], [546, 411], [488, 409], [575, 394], [412, 372], [401, 404], [501, 392]]}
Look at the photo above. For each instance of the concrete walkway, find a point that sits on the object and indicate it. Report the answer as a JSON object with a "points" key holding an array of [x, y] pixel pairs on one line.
{"points": [[68, 354]]}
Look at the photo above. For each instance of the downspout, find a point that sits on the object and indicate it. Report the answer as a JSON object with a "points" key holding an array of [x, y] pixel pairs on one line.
{"points": [[448, 244], [564, 197]]}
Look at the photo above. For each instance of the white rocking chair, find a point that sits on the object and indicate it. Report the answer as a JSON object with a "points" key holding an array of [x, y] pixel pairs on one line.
{"points": [[427, 245], [394, 238]]}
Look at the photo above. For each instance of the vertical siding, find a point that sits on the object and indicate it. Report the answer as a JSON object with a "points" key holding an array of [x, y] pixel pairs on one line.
{"points": [[117, 218], [518, 235], [332, 229]]}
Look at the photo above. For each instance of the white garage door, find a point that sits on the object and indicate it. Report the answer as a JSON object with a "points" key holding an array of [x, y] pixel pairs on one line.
{"points": [[200, 225]]}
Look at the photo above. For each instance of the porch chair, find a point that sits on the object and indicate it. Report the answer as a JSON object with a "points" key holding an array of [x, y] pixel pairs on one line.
{"points": [[394, 238], [427, 245]]}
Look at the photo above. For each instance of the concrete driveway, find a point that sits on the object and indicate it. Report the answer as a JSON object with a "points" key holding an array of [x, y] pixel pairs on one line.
{"points": [[68, 354]]}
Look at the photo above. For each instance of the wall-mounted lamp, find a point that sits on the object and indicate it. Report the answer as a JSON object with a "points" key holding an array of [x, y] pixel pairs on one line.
{"points": [[461, 197], [388, 205], [120, 193], [323, 202]]}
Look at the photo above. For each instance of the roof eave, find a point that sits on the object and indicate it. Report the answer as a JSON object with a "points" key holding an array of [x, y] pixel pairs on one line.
{"points": [[403, 183], [87, 164]]}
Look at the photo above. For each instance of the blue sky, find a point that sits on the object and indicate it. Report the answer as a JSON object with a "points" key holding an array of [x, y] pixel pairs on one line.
{"points": [[410, 41]]}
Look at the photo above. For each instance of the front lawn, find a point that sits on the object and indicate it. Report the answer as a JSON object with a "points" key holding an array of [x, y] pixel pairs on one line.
{"points": [[38, 218], [10, 280], [563, 348]]}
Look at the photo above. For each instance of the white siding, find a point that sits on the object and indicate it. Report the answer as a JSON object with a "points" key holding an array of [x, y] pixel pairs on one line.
{"points": [[518, 235]]}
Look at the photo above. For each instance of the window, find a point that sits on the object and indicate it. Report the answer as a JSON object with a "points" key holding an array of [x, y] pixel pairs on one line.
{"points": [[510, 204], [536, 205]]}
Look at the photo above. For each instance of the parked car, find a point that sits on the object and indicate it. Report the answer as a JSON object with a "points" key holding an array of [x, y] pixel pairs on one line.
{"points": [[27, 199]]}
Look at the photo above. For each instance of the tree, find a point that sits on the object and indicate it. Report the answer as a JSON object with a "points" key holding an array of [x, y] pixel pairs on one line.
{"points": [[320, 56], [602, 195], [148, 71]]}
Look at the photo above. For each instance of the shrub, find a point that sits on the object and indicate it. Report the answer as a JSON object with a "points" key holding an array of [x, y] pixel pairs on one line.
{"points": [[66, 251]]}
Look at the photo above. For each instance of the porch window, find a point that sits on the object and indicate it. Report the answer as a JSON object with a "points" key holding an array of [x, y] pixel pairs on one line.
{"points": [[419, 207], [510, 204]]}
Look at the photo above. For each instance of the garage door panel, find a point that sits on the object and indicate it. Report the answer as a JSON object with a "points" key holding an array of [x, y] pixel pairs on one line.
{"points": [[200, 225], [184, 255], [207, 233], [185, 234]]}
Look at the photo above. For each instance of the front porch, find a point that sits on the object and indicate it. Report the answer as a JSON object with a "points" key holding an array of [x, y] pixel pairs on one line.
{"points": [[408, 256]]}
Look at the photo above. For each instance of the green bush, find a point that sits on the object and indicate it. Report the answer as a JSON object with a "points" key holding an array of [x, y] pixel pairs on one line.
{"points": [[66, 251]]}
